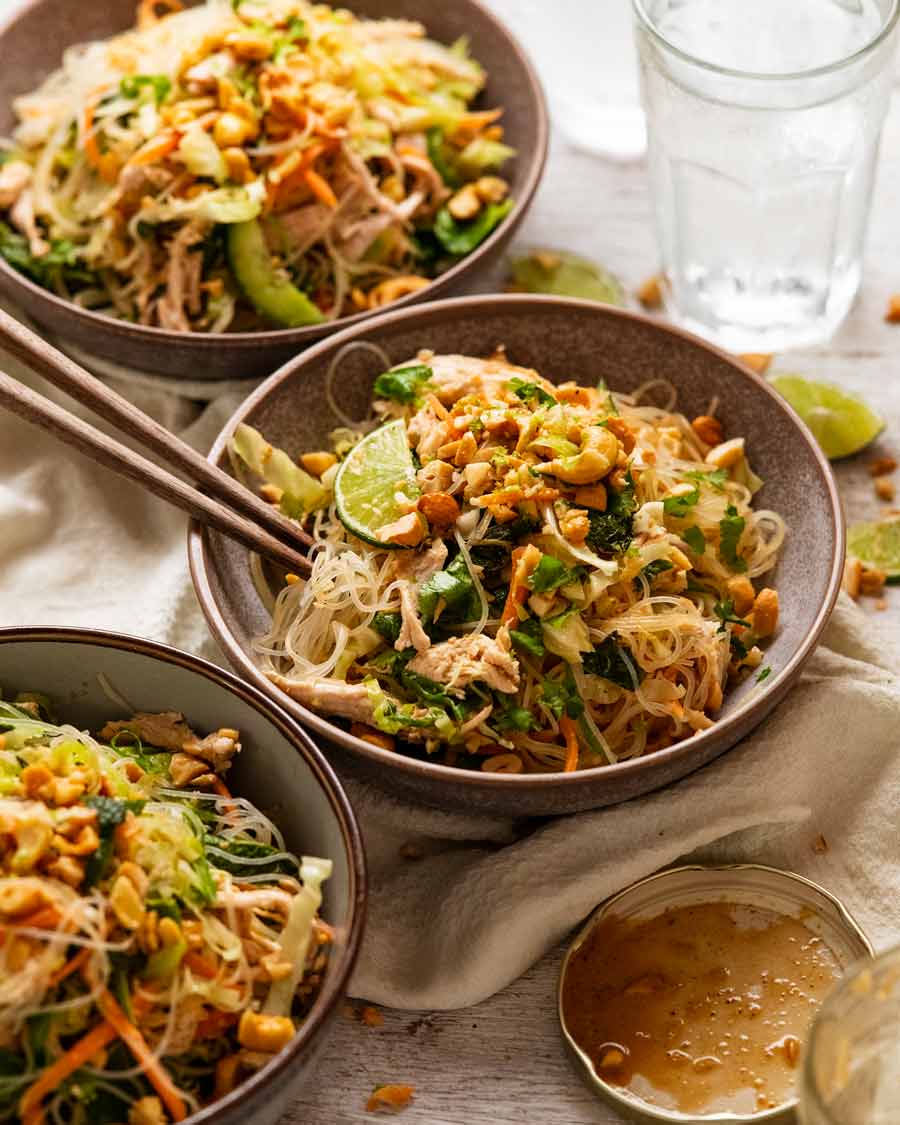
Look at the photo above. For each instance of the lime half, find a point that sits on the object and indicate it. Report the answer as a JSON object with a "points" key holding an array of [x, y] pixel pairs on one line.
{"points": [[878, 545], [376, 482], [841, 424], [565, 275]]}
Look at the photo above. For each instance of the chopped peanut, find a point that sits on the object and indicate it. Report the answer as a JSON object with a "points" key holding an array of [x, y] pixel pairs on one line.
{"points": [[892, 316], [575, 525], [820, 844], [126, 903], [708, 429], [436, 476], [375, 737], [881, 466], [756, 361], [872, 582], [439, 508], [238, 163], [592, 496], [248, 44], [741, 592], [390, 1097], [408, 531], [479, 476], [257, 1032], [852, 577], [271, 493], [34, 778], [169, 931], [465, 204], [491, 189], [765, 613], [650, 292], [611, 1058], [317, 463], [230, 130], [884, 489], [371, 1017], [67, 869], [726, 454]]}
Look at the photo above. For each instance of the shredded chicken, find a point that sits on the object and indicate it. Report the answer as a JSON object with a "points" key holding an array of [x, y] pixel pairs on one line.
{"points": [[22, 218], [15, 176], [463, 660], [182, 279], [457, 375], [349, 701]]}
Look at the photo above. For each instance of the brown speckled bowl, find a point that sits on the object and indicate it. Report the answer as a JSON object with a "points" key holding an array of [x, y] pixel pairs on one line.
{"points": [[32, 41], [278, 769], [563, 339]]}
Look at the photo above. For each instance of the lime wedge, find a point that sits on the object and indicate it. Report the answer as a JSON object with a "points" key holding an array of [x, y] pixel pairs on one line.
{"points": [[878, 545], [841, 424], [375, 482], [565, 275]]}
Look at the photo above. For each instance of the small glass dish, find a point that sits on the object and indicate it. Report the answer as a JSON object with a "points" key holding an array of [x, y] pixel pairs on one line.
{"points": [[753, 885], [852, 1061]]}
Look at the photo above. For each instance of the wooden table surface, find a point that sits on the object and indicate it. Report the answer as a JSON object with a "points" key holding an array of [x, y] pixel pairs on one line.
{"points": [[503, 1060]]}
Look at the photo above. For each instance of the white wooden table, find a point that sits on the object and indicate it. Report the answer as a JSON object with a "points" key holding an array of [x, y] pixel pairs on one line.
{"points": [[503, 1061]]}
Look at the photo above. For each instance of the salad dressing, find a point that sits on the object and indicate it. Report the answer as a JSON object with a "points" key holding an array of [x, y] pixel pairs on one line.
{"points": [[702, 1008]]}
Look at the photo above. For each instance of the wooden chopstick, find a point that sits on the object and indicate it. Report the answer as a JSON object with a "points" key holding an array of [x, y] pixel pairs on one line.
{"points": [[32, 407], [63, 372]]}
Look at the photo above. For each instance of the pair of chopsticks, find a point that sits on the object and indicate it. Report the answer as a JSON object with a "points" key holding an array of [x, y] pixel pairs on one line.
{"points": [[212, 498]]}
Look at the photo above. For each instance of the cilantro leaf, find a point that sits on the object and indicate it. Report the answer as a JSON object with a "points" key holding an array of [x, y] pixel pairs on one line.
{"points": [[402, 384], [530, 392], [513, 717], [550, 574], [111, 812], [387, 625], [529, 636], [717, 478], [693, 536], [561, 697], [726, 615], [613, 661], [764, 674], [678, 506], [652, 569], [611, 531], [454, 585], [731, 528]]}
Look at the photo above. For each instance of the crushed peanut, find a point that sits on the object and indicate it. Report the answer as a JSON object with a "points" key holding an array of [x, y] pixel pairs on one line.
{"points": [[650, 292]]}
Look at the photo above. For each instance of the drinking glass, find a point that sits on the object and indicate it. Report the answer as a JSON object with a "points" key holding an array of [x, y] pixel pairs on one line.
{"points": [[763, 125], [584, 52], [851, 1067]]}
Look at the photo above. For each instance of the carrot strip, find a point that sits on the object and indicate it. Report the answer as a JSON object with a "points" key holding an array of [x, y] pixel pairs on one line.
{"points": [[153, 1069], [221, 788], [77, 1055], [569, 730], [71, 966], [105, 165], [200, 965], [155, 149], [320, 188], [46, 918], [213, 1025], [524, 560]]}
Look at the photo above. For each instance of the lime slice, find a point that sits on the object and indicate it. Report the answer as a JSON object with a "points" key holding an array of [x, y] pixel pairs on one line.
{"points": [[565, 275], [841, 424], [878, 545], [376, 482]]}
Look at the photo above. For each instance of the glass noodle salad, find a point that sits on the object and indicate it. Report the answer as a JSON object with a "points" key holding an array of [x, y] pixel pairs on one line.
{"points": [[158, 944], [515, 576], [249, 165]]}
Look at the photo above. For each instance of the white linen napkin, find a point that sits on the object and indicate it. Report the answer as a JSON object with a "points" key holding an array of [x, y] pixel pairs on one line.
{"points": [[488, 897]]}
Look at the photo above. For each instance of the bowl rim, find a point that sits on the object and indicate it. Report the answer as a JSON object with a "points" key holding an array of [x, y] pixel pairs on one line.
{"points": [[532, 152], [334, 990], [779, 684], [612, 1095]]}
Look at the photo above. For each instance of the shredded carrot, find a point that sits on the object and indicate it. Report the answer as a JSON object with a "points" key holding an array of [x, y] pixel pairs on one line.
{"points": [[104, 163], [221, 788], [570, 732], [46, 918], [71, 966], [524, 560], [153, 1069], [77, 1055], [156, 148], [201, 965], [320, 187]]}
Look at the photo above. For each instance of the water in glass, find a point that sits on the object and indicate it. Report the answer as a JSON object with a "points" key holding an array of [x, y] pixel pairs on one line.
{"points": [[762, 184]]}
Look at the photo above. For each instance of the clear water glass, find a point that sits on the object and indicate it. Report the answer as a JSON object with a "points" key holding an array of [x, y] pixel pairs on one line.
{"points": [[585, 54], [851, 1065], [763, 126]]}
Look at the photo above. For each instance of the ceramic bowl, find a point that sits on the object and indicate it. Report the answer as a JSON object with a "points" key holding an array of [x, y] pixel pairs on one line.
{"points": [[563, 339], [279, 769], [32, 41], [745, 884]]}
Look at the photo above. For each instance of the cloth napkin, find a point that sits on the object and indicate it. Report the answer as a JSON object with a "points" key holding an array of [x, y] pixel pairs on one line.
{"points": [[486, 898]]}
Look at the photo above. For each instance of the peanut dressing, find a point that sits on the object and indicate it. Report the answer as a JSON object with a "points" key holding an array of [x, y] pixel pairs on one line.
{"points": [[701, 1009]]}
